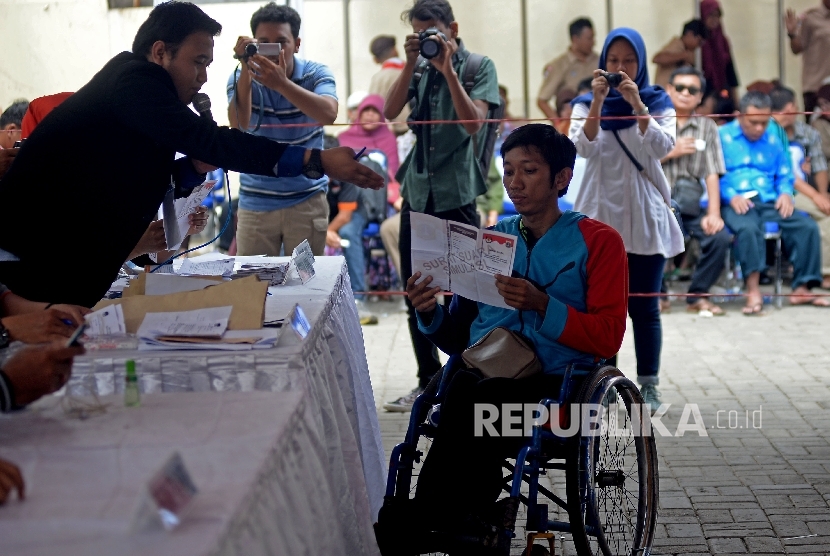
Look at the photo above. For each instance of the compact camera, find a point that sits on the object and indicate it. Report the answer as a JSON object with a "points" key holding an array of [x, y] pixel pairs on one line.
{"points": [[430, 48], [614, 79], [271, 49]]}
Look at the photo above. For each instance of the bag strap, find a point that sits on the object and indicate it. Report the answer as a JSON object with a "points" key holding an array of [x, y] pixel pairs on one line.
{"points": [[637, 164], [473, 64]]}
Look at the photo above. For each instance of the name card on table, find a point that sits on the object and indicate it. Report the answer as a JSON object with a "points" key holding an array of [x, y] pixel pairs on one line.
{"points": [[166, 496], [299, 322], [303, 261]]}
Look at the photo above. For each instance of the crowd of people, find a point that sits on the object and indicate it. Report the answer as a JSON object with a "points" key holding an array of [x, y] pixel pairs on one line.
{"points": [[655, 168]]}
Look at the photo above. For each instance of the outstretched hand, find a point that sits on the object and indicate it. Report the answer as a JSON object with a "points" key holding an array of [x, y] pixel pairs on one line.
{"points": [[10, 479], [339, 164]]}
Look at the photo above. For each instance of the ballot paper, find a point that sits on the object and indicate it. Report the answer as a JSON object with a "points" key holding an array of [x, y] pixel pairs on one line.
{"points": [[166, 498], [177, 211], [460, 258], [302, 260], [221, 267], [202, 323], [108, 321], [273, 273]]}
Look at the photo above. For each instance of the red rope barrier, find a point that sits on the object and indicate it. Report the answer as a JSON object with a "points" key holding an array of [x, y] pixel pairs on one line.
{"points": [[524, 120], [738, 294]]}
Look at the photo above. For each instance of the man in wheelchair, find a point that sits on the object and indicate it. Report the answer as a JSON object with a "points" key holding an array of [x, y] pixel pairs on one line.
{"points": [[569, 293]]}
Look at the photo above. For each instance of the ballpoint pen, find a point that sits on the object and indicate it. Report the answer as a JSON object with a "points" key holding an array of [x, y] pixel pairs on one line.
{"points": [[358, 155]]}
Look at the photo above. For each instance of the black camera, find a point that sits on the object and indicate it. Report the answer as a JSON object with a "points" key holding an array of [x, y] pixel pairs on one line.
{"points": [[270, 49], [430, 48], [614, 79]]}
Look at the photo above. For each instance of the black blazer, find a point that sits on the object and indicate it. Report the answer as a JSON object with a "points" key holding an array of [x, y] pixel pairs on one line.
{"points": [[92, 175]]}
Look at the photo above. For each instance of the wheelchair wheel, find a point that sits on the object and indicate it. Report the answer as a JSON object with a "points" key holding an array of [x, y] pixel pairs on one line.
{"points": [[611, 472]]}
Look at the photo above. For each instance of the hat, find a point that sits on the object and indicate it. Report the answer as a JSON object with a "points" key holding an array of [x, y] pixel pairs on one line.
{"points": [[355, 99]]}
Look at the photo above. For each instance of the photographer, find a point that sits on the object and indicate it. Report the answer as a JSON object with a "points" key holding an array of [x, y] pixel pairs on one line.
{"points": [[128, 123], [441, 176], [615, 192], [277, 213]]}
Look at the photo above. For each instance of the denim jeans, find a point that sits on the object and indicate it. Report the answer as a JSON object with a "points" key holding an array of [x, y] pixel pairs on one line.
{"points": [[355, 257], [645, 275]]}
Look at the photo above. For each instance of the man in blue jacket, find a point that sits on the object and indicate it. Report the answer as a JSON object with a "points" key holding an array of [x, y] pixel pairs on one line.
{"points": [[569, 290]]}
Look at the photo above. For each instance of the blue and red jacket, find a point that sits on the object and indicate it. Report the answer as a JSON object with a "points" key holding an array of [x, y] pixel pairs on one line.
{"points": [[582, 265]]}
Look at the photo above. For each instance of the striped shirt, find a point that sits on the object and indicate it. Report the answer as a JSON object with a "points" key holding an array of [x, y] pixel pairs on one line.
{"points": [[701, 164], [262, 193], [810, 140]]}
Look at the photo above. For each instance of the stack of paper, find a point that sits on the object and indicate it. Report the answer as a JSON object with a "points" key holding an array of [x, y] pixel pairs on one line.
{"points": [[200, 329], [273, 273], [222, 267]]}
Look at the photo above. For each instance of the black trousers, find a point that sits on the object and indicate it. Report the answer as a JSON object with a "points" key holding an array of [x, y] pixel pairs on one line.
{"points": [[713, 251], [425, 352], [462, 473]]}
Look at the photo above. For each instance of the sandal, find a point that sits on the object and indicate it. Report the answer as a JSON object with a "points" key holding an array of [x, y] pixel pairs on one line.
{"points": [[703, 305], [753, 309]]}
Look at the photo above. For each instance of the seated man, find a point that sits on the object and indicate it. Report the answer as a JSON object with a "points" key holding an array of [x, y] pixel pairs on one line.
{"points": [[569, 289], [347, 218], [758, 188], [809, 168], [697, 158]]}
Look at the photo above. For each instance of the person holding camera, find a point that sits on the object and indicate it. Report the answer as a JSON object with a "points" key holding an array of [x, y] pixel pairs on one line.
{"points": [[624, 127], [277, 213], [441, 176], [695, 160]]}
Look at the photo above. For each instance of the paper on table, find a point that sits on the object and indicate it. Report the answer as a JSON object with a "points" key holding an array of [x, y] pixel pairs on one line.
{"points": [[303, 261], [222, 267], [108, 321], [232, 340], [247, 296], [210, 323], [162, 284]]}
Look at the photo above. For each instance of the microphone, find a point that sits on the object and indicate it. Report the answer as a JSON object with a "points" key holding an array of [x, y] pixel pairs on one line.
{"points": [[201, 102]]}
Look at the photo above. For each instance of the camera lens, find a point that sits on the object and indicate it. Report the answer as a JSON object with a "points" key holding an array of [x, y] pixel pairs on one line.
{"points": [[430, 48], [251, 48]]}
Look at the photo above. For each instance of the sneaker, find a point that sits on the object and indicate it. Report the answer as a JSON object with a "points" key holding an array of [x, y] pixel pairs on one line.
{"points": [[404, 403], [368, 319], [363, 313], [651, 396]]}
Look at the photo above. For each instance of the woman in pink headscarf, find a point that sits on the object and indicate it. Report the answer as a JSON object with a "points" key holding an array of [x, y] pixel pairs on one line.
{"points": [[370, 131], [718, 66]]}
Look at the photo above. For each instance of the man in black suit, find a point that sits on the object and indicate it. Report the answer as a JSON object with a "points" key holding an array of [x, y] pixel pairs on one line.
{"points": [[95, 171]]}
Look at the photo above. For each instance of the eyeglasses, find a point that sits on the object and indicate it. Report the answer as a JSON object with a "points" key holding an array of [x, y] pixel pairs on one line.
{"points": [[692, 90]]}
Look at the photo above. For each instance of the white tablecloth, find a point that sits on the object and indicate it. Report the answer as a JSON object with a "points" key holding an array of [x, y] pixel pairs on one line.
{"points": [[329, 366], [267, 482]]}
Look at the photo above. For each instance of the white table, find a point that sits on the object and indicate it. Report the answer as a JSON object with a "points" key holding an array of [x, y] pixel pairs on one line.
{"points": [[267, 482], [329, 367]]}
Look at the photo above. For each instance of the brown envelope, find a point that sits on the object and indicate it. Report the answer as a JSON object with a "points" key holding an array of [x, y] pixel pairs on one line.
{"points": [[137, 285], [246, 296]]}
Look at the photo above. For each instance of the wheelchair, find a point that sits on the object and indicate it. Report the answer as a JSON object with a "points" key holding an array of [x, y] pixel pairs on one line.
{"points": [[610, 465]]}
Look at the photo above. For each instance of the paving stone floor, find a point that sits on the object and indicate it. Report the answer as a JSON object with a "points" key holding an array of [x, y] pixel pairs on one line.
{"points": [[741, 489]]}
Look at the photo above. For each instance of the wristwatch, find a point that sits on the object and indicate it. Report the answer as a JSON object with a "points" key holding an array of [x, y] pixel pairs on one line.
{"points": [[643, 112], [313, 169], [5, 338]]}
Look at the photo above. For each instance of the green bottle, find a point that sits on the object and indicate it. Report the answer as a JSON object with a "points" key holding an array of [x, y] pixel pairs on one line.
{"points": [[132, 398]]}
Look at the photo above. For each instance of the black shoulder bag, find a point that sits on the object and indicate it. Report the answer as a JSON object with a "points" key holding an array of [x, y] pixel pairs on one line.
{"points": [[672, 204]]}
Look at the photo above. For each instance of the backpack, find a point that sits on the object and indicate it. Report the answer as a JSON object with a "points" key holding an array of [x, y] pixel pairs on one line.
{"points": [[373, 202], [484, 142]]}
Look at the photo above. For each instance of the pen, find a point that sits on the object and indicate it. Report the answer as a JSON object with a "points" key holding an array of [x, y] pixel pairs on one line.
{"points": [[67, 322], [358, 155]]}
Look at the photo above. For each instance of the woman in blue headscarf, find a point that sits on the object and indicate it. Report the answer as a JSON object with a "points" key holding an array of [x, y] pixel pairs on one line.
{"points": [[615, 191]]}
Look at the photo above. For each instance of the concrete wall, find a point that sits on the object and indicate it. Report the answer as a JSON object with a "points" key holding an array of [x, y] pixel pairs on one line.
{"points": [[52, 46]]}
